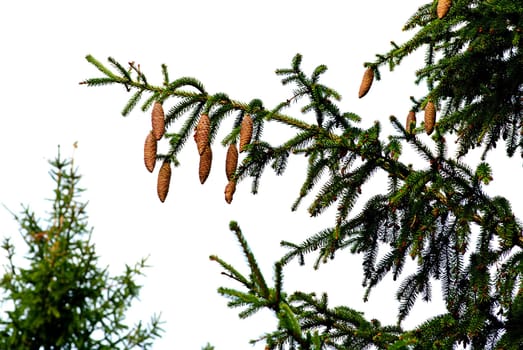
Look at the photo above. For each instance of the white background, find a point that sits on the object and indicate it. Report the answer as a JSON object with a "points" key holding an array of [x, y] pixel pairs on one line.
{"points": [[233, 47]]}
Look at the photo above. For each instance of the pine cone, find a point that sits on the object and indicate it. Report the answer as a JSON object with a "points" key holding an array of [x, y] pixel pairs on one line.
{"points": [[205, 164], [229, 191], [149, 151], [443, 8], [430, 117], [231, 161], [201, 134], [411, 122], [245, 132], [164, 179], [158, 120], [366, 82]]}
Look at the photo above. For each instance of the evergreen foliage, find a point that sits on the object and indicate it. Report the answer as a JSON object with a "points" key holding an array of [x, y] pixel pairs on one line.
{"points": [[62, 299], [436, 213]]}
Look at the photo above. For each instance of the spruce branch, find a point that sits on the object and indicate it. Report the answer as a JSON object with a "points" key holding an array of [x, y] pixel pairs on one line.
{"points": [[427, 213], [258, 279], [304, 320], [231, 272], [472, 67]]}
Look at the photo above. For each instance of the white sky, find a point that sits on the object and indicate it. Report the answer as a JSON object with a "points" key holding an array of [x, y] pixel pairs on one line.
{"points": [[231, 46]]}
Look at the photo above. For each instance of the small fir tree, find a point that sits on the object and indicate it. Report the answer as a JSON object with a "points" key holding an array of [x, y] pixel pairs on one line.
{"points": [[62, 299]]}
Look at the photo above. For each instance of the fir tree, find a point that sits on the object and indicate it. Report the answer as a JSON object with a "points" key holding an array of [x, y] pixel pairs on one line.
{"points": [[62, 299], [435, 212]]}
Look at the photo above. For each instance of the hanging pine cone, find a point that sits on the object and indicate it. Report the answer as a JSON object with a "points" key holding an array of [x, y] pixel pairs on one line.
{"points": [[164, 179], [366, 82], [158, 120], [443, 8], [430, 117], [149, 151], [201, 134], [229, 191], [245, 132], [411, 122], [205, 164], [231, 161]]}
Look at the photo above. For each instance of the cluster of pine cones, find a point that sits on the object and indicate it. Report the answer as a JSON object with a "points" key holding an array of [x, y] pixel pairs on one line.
{"points": [[201, 137], [430, 108], [442, 9]]}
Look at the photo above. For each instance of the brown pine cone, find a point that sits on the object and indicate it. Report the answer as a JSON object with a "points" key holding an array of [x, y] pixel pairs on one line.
{"points": [[205, 164], [164, 180], [245, 132], [201, 134], [366, 82], [430, 117], [231, 161], [149, 151], [443, 8], [158, 120], [229, 191], [410, 125]]}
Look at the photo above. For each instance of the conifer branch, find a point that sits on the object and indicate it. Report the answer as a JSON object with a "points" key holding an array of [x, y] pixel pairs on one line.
{"points": [[303, 318], [232, 272], [427, 213], [256, 273], [460, 50]]}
